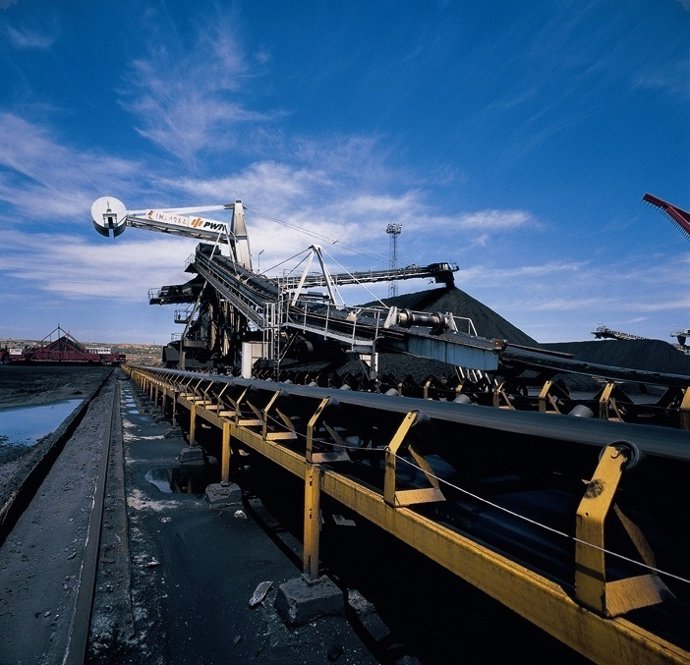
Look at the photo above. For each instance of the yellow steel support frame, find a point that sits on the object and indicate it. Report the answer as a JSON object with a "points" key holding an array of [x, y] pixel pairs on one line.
{"points": [[226, 451], [312, 520], [192, 422], [320, 458], [218, 404], [609, 408], [542, 602], [501, 399], [591, 588], [272, 433], [225, 406], [246, 422], [394, 496], [190, 392], [549, 396]]}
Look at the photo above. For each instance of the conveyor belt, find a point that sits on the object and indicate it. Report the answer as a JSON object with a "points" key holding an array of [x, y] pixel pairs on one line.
{"points": [[504, 499], [650, 439]]}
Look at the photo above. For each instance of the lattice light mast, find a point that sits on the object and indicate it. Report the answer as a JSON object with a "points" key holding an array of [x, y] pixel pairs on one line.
{"points": [[393, 230]]}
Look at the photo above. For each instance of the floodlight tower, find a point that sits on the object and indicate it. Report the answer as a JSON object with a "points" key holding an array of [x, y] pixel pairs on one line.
{"points": [[393, 230]]}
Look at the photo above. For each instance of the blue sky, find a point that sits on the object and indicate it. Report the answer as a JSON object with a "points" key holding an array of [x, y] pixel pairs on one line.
{"points": [[516, 139]]}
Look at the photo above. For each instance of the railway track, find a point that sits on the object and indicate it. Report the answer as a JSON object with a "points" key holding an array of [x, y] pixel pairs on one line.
{"points": [[51, 538]]}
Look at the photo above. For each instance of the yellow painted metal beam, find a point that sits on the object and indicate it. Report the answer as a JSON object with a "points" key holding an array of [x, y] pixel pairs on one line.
{"points": [[549, 396], [226, 451], [312, 520], [685, 410], [397, 497]]}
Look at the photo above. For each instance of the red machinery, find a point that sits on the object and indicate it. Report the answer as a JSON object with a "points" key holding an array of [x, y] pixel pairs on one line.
{"points": [[63, 349]]}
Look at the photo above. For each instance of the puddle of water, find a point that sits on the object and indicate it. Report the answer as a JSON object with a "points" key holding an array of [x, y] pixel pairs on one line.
{"points": [[25, 425], [160, 478], [180, 479]]}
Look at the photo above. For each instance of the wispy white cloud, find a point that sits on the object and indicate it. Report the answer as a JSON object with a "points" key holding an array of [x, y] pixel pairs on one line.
{"points": [[5, 4], [44, 179], [541, 271], [290, 197], [666, 77], [558, 301], [265, 181], [493, 220], [187, 97], [120, 270], [29, 39]]}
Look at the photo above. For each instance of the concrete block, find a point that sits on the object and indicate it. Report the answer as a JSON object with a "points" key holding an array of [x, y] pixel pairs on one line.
{"points": [[222, 495], [301, 600]]}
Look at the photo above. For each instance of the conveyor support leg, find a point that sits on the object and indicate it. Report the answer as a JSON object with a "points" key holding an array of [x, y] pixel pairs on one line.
{"points": [[312, 520], [685, 410], [226, 452]]}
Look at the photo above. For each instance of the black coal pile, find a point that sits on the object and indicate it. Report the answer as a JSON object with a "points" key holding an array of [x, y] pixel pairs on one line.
{"points": [[645, 354], [650, 354]]}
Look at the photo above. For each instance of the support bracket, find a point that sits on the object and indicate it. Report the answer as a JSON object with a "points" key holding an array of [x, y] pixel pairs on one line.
{"points": [[591, 587], [391, 494]]}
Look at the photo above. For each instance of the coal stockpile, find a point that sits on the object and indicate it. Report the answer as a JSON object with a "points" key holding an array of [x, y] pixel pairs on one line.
{"points": [[645, 354]]}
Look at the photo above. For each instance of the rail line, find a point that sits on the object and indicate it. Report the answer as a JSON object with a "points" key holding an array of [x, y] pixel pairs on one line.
{"points": [[71, 463], [558, 518], [81, 621]]}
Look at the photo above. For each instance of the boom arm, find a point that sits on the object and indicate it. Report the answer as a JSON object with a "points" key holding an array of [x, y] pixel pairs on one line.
{"points": [[110, 216], [676, 215]]}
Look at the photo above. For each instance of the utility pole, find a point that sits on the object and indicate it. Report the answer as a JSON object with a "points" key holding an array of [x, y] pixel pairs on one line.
{"points": [[393, 230]]}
